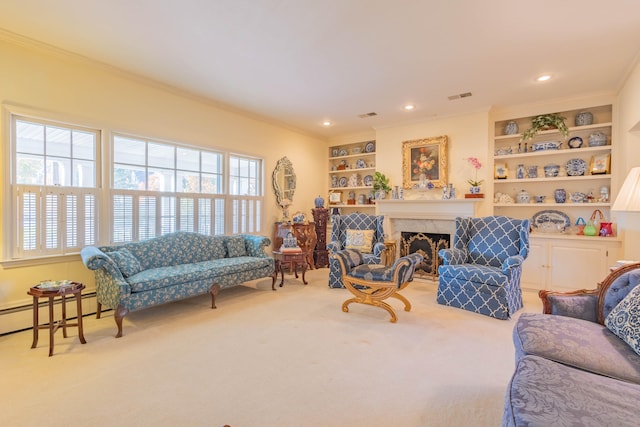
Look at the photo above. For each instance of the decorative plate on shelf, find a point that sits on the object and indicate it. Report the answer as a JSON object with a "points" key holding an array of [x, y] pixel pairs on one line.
{"points": [[370, 147], [343, 181], [361, 164], [368, 180], [342, 152], [576, 167], [550, 220]]}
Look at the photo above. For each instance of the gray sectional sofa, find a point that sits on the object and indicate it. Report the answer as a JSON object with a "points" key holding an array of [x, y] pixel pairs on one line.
{"points": [[178, 265], [571, 368]]}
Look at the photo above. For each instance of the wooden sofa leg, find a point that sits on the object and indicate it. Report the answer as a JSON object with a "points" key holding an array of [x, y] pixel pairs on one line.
{"points": [[98, 310], [119, 314], [213, 290]]}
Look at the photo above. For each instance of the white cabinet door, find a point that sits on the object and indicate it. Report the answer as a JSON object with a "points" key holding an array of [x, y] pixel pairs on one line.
{"points": [[534, 269], [573, 266]]}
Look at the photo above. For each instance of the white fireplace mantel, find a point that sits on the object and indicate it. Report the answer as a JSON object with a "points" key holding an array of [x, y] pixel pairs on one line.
{"points": [[426, 209]]}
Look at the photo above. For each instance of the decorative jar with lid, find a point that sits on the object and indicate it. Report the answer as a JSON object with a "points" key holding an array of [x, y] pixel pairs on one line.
{"points": [[584, 118], [523, 197]]}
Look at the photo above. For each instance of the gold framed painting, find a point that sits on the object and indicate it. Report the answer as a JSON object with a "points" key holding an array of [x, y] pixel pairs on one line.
{"points": [[501, 170], [424, 161], [600, 164]]}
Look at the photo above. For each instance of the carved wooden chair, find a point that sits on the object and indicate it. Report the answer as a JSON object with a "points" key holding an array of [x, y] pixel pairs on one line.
{"points": [[371, 284]]}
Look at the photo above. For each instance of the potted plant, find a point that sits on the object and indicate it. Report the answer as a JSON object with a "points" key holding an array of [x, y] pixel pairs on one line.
{"points": [[380, 185], [544, 122]]}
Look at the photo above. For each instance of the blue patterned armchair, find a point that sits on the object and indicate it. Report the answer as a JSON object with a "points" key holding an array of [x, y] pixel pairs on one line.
{"points": [[346, 224], [481, 273]]}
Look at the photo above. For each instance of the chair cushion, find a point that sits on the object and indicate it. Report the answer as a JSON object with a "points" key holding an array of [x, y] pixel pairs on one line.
{"points": [[545, 393], [624, 319], [485, 274], [372, 272], [576, 342], [361, 240], [126, 262], [206, 270], [235, 246]]}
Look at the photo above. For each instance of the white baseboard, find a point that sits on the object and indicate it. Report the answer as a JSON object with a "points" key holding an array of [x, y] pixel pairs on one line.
{"points": [[21, 318]]}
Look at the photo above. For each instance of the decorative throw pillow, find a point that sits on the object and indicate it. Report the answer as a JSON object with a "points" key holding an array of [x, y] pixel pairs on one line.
{"points": [[361, 240], [235, 247], [126, 262], [624, 319]]}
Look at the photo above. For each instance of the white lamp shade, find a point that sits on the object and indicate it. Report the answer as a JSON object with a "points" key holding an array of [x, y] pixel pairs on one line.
{"points": [[628, 199]]}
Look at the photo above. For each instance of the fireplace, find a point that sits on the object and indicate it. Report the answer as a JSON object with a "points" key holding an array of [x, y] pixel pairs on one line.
{"points": [[426, 217], [427, 245]]}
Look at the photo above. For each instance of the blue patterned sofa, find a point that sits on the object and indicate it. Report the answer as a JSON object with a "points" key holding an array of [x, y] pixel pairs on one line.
{"points": [[578, 363], [178, 265]]}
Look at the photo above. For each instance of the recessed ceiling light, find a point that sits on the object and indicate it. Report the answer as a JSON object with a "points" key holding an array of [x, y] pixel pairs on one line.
{"points": [[543, 78], [326, 123], [409, 107]]}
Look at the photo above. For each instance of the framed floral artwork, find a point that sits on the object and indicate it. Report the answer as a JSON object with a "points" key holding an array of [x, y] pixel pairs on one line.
{"points": [[335, 197], [600, 163], [424, 161]]}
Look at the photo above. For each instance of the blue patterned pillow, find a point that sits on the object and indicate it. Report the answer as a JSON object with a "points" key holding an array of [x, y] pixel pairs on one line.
{"points": [[235, 247], [126, 262], [624, 319]]}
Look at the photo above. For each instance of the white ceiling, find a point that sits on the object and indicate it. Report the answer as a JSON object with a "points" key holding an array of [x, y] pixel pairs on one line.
{"points": [[298, 62]]}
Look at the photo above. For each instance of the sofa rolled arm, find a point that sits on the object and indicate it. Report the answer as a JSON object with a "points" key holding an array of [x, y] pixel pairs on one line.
{"points": [[93, 258], [256, 245], [580, 304], [453, 256]]}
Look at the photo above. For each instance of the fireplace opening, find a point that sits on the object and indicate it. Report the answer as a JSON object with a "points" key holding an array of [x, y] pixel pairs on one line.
{"points": [[428, 245]]}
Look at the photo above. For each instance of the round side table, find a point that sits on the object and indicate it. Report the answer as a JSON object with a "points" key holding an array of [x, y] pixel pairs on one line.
{"points": [[62, 289]]}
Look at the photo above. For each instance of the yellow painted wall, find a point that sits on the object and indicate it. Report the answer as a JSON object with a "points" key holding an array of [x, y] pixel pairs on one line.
{"points": [[70, 88], [467, 137]]}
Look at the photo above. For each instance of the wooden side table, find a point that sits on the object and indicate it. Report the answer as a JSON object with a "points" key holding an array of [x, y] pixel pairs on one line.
{"points": [[37, 292], [292, 258], [305, 235]]}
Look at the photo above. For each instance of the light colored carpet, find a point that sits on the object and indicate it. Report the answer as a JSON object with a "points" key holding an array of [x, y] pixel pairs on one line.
{"points": [[263, 358]]}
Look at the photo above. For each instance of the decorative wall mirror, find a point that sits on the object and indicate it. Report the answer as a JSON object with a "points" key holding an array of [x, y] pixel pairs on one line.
{"points": [[284, 181]]}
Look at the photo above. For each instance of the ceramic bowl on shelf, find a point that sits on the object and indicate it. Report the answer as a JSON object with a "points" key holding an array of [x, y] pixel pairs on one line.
{"points": [[546, 145], [575, 142], [551, 170]]}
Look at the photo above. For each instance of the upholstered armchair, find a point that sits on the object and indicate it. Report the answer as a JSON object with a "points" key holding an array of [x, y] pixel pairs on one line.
{"points": [[372, 284], [355, 231], [481, 273]]}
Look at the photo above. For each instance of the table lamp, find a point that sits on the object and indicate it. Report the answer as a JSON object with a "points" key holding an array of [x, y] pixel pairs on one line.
{"points": [[628, 204]]}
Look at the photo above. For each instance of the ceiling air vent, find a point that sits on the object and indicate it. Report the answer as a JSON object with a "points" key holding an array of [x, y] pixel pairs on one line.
{"points": [[460, 95], [365, 115]]}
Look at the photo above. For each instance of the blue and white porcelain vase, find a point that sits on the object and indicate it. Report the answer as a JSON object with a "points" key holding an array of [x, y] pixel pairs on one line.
{"points": [[584, 118], [319, 202], [511, 128]]}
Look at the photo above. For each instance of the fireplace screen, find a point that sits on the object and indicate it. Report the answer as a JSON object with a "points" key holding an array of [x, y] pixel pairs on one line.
{"points": [[428, 245]]}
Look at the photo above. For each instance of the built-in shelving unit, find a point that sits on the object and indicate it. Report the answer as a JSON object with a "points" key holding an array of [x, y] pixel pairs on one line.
{"points": [[351, 171], [554, 254]]}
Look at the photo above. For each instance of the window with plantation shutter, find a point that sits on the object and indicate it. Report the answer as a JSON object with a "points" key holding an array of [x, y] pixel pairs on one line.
{"points": [[53, 186], [172, 187]]}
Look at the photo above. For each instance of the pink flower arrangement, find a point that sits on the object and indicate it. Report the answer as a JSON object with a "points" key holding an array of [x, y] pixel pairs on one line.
{"points": [[476, 165]]}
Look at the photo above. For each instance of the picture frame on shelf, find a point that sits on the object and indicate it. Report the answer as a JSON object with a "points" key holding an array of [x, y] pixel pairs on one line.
{"points": [[501, 170], [600, 164], [335, 197], [424, 159]]}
